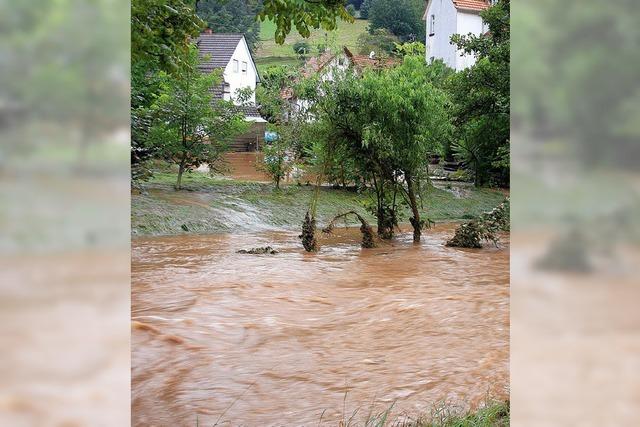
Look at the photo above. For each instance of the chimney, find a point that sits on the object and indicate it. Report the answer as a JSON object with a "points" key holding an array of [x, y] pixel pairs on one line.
{"points": [[208, 31]]}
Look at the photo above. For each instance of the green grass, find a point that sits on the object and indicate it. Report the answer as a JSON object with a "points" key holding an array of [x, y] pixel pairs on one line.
{"points": [[492, 414], [210, 205], [345, 35]]}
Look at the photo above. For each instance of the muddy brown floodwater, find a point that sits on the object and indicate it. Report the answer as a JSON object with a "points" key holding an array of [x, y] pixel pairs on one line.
{"points": [[284, 339]]}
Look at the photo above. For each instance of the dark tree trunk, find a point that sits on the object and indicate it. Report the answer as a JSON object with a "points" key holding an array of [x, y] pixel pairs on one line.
{"points": [[415, 219]]}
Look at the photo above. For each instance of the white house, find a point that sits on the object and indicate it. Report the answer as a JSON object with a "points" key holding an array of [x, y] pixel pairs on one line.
{"points": [[230, 53], [445, 18], [330, 65]]}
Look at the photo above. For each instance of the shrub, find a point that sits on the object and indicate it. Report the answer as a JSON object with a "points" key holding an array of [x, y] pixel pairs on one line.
{"points": [[301, 48]]}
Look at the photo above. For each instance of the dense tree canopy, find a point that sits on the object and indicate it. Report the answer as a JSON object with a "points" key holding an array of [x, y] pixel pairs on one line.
{"points": [[232, 16], [402, 17]]}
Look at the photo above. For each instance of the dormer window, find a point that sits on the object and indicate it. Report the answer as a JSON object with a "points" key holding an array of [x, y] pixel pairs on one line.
{"points": [[244, 67], [432, 25], [236, 66]]}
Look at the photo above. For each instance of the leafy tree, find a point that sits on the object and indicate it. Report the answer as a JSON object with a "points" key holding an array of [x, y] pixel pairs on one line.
{"points": [[408, 110], [380, 41], [355, 3], [232, 16], [344, 131], [352, 10], [481, 96], [304, 15], [402, 17], [190, 128], [278, 156]]}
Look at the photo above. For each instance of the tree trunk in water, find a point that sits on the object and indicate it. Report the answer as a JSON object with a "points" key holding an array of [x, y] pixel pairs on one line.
{"points": [[415, 219]]}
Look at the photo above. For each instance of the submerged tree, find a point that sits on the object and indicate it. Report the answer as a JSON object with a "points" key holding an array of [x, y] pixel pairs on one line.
{"points": [[190, 128], [368, 238]]}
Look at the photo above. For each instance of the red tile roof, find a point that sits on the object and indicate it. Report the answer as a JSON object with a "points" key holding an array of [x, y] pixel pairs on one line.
{"points": [[475, 5]]}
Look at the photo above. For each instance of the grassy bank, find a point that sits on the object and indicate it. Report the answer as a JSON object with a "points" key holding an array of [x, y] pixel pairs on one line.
{"points": [[493, 414], [212, 205]]}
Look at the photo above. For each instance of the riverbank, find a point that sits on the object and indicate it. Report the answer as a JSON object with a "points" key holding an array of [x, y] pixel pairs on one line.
{"points": [[216, 205]]}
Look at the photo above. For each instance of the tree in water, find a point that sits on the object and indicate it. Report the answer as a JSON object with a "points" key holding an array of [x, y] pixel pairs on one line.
{"points": [[408, 117], [189, 127], [308, 235], [368, 237]]}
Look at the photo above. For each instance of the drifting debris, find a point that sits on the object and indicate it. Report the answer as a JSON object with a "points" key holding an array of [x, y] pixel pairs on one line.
{"points": [[468, 235], [308, 235], [368, 238], [486, 227], [267, 250]]}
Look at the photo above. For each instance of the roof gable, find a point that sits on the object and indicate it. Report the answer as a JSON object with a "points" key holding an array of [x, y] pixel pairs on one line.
{"points": [[219, 47]]}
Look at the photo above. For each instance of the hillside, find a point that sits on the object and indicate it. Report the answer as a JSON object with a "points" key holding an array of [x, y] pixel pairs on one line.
{"points": [[269, 52]]}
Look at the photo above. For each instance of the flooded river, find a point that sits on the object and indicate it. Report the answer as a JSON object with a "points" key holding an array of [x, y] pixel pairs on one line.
{"points": [[286, 339]]}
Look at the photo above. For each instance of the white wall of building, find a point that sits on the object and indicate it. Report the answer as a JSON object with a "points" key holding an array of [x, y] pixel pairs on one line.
{"points": [[438, 45], [450, 21], [467, 23], [246, 74]]}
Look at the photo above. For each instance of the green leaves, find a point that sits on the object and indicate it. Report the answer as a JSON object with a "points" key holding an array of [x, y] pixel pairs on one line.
{"points": [[304, 15], [160, 31]]}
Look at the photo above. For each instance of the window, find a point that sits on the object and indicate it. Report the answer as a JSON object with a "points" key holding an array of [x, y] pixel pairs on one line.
{"points": [[432, 25], [244, 67], [235, 65]]}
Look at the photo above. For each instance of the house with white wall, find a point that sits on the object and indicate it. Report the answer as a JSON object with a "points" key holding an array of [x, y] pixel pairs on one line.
{"points": [[230, 53], [328, 66], [445, 18]]}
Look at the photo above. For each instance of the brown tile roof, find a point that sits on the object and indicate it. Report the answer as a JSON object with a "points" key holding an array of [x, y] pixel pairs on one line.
{"points": [[474, 5], [362, 61], [317, 63]]}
